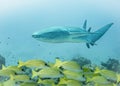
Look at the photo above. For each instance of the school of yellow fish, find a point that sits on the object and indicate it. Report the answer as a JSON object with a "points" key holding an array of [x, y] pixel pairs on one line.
{"points": [[61, 73]]}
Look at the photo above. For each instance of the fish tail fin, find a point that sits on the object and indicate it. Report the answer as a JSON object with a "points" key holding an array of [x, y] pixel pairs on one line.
{"points": [[3, 67], [98, 34], [97, 70], [34, 73], [20, 63], [39, 81], [11, 77], [88, 79], [63, 80], [57, 62]]}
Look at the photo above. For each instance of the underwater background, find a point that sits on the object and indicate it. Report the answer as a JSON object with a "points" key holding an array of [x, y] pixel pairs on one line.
{"points": [[20, 18]]}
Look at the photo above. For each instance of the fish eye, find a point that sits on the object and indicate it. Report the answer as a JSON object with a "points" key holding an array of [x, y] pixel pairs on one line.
{"points": [[91, 70], [61, 68], [47, 65], [61, 73], [83, 75], [23, 69], [15, 73]]}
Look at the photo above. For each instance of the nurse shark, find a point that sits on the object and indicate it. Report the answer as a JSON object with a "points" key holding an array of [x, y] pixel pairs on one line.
{"points": [[64, 34]]}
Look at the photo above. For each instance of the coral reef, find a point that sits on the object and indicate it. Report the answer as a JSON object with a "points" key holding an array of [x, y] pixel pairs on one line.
{"points": [[82, 60], [112, 64]]}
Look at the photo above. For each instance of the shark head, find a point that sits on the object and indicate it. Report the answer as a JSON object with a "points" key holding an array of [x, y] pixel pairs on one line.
{"points": [[43, 35], [52, 34]]}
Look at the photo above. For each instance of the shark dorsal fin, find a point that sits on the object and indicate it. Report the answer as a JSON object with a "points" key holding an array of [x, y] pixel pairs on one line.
{"points": [[85, 24]]}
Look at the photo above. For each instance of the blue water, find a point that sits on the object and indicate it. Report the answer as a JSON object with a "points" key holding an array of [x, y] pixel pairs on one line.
{"points": [[20, 18]]}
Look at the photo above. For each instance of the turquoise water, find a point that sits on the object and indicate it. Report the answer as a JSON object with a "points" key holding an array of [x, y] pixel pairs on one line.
{"points": [[19, 19]]}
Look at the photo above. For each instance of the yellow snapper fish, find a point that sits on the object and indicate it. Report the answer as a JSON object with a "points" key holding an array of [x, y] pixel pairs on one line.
{"points": [[29, 84], [7, 72], [50, 64], [74, 75], [9, 82], [1, 84], [46, 82], [20, 78], [48, 73], [33, 64], [98, 79], [98, 84], [88, 68], [13, 68], [70, 82], [110, 75], [109, 84], [60, 85], [88, 75], [118, 78], [68, 65]]}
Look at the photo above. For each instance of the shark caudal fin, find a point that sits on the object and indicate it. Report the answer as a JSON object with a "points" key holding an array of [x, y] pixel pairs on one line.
{"points": [[97, 35]]}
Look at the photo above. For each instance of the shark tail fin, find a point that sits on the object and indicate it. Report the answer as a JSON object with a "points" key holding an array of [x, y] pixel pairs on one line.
{"points": [[98, 34]]}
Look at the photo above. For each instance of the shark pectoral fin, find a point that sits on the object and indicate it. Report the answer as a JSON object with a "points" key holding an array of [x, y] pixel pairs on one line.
{"points": [[91, 43], [87, 44]]}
